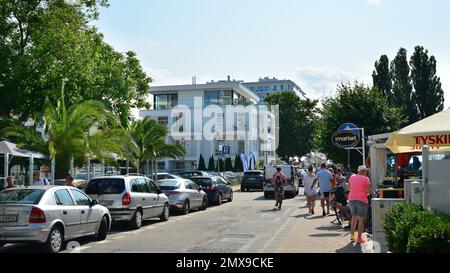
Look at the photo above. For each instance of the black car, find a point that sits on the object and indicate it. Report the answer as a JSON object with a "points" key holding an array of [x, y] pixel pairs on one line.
{"points": [[216, 188], [252, 180], [189, 174]]}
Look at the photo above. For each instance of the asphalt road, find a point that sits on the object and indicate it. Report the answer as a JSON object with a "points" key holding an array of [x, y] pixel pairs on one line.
{"points": [[249, 224]]}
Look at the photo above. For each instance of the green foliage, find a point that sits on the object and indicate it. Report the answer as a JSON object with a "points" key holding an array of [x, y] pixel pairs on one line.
{"points": [[238, 166], [429, 95], [297, 123], [201, 163], [211, 164], [228, 165], [431, 237], [45, 41], [403, 95], [221, 165], [382, 77], [358, 104]]}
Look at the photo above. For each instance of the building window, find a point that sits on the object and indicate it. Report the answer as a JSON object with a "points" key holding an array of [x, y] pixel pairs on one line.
{"points": [[241, 147], [282, 87], [163, 120], [161, 165], [165, 102], [221, 98], [275, 88]]}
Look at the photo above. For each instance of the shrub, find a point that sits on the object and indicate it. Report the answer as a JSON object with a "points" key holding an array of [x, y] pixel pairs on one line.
{"points": [[433, 237], [400, 221]]}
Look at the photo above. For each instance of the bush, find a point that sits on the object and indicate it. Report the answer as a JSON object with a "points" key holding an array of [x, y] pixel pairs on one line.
{"points": [[431, 238], [400, 221]]}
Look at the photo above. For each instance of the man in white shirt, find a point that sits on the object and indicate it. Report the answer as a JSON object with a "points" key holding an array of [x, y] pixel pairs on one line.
{"points": [[38, 181]]}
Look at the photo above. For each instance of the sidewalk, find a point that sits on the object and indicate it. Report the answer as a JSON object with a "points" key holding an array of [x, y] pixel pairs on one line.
{"points": [[316, 234]]}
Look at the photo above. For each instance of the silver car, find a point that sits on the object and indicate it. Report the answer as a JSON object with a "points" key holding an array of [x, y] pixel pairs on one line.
{"points": [[50, 215], [184, 195], [130, 198]]}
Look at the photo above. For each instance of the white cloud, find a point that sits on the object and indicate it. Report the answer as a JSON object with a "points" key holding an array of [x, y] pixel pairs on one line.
{"points": [[443, 71], [374, 2], [320, 82]]}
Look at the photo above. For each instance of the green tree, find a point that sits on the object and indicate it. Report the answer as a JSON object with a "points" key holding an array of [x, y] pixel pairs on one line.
{"points": [[238, 166], [358, 104], [147, 139], [228, 165], [403, 96], [221, 165], [382, 77], [297, 123], [81, 131], [429, 95], [211, 164], [45, 41], [201, 163]]}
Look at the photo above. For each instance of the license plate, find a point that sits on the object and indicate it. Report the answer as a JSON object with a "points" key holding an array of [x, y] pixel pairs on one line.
{"points": [[8, 218], [252, 179], [106, 202]]}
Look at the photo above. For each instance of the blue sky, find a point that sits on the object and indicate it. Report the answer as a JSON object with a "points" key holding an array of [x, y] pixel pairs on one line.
{"points": [[316, 43]]}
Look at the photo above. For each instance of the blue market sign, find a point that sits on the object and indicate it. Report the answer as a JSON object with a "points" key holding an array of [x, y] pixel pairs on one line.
{"points": [[346, 139], [350, 127]]}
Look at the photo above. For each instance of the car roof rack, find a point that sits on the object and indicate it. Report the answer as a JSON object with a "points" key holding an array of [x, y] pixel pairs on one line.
{"points": [[135, 174]]}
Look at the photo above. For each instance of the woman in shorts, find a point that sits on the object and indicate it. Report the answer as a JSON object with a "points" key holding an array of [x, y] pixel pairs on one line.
{"points": [[310, 184]]}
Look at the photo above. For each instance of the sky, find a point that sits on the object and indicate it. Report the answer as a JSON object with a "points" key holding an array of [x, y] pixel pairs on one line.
{"points": [[317, 44]]}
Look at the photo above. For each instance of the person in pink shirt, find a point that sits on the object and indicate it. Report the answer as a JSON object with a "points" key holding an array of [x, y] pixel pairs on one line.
{"points": [[360, 188]]}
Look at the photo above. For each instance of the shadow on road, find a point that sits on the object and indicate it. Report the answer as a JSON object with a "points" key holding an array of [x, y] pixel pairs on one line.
{"points": [[325, 235], [350, 248], [271, 210]]}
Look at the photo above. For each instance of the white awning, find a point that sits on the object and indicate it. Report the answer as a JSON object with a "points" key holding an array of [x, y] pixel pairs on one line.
{"points": [[7, 147]]}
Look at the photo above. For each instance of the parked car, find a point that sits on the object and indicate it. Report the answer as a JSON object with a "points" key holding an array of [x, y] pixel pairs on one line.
{"points": [[292, 187], [50, 215], [79, 183], [252, 180], [184, 195], [189, 174], [130, 198], [161, 176], [216, 188]]}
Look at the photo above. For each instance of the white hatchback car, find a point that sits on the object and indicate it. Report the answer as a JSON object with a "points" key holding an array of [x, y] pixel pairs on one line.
{"points": [[130, 198], [50, 215]]}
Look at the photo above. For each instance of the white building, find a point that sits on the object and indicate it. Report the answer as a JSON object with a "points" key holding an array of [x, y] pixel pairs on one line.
{"points": [[266, 86], [196, 98]]}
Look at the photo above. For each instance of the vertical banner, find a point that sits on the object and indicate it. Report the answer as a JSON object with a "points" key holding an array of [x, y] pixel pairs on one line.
{"points": [[244, 162], [252, 161]]}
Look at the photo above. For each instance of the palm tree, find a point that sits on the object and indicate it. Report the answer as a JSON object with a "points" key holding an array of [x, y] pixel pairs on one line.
{"points": [[84, 130], [147, 139]]}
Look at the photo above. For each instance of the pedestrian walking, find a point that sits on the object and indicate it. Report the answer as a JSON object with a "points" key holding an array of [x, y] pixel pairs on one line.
{"points": [[38, 181], [279, 181], [10, 182], [69, 181], [360, 188], [325, 178], [310, 186]]}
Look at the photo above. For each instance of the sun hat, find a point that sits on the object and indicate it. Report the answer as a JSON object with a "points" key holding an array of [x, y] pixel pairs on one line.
{"points": [[363, 168]]}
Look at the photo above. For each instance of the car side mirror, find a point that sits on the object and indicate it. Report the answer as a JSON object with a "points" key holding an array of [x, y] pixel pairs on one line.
{"points": [[94, 203], [200, 188]]}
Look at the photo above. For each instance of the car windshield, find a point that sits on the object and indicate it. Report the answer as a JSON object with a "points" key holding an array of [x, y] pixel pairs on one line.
{"points": [[21, 196], [169, 185], [82, 176], [252, 173], [204, 182], [60, 182], [105, 186]]}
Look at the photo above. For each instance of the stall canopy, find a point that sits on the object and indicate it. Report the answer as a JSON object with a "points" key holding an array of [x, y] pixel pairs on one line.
{"points": [[7, 147], [433, 131]]}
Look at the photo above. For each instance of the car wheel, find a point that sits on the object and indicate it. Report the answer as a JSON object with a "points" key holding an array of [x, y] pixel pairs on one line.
{"points": [[186, 207], [102, 230], [231, 197], [55, 240], [204, 204], [219, 200], [165, 213], [136, 222], [242, 189]]}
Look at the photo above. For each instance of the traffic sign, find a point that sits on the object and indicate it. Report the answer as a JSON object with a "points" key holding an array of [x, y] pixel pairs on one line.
{"points": [[350, 127], [226, 150]]}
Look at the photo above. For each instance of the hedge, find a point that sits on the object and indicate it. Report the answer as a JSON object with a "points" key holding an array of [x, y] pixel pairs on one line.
{"points": [[410, 228]]}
